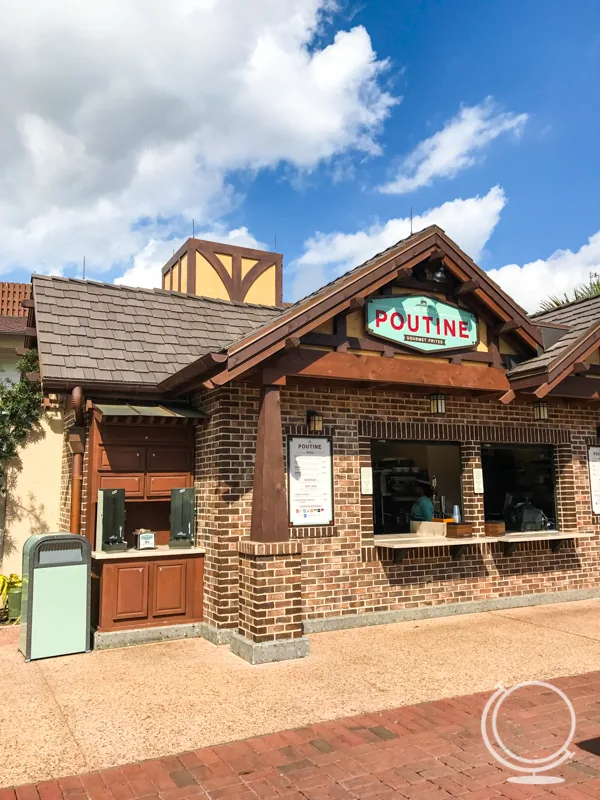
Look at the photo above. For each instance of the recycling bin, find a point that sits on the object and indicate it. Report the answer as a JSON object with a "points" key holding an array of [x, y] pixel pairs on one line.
{"points": [[55, 605]]}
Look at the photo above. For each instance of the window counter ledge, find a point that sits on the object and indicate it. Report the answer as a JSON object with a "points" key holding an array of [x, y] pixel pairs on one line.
{"points": [[400, 542]]}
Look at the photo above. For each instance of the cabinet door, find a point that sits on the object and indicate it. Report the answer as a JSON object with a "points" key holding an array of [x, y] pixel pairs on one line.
{"points": [[133, 484], [170, 588], [168, 459], [121, 459], [131, 591], [161, 485]]}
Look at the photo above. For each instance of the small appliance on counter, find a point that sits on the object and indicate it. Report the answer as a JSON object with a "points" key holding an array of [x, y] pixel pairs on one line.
{"points": [[145, 539], [183, 507], [110, 520]]}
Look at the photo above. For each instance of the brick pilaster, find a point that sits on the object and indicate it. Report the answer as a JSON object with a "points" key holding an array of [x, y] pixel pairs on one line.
{"points": [[270, 600], [473, 510]]}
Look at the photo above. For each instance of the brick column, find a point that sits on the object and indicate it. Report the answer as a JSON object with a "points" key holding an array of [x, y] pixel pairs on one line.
{"points": [[473, 510], [270, 602], [566, 495]]}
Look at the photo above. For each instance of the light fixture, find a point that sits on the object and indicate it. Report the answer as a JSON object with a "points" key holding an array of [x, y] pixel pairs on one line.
{"points": [[439, 274], [540, 410], [438, 404], [314, 422]]}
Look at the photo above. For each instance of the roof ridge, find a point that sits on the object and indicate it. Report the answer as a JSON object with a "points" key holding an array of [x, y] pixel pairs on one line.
{"points": [[564, 306], [156, 291]]}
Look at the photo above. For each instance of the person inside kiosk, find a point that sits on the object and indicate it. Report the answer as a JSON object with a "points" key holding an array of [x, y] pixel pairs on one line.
{"points": [[422, 510]]}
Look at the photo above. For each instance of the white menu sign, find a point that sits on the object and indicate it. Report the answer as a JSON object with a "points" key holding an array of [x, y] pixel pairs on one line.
{"points": [[366, 480], [477, 480], [594, 465], [310, 480]]}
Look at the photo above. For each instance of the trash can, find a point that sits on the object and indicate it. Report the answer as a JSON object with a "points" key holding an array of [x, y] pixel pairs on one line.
{"points": [[55, 605]]}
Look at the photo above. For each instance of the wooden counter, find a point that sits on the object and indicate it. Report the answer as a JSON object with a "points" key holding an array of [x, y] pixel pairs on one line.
{"points": [[147, 588]]}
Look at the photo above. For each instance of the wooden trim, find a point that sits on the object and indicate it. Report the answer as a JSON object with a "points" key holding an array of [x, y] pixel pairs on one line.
{"points": [[269, 521], [348, 367], [508, 305]]}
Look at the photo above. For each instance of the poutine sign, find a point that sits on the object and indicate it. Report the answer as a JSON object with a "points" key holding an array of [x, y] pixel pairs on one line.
{"points": [[422, 323]]}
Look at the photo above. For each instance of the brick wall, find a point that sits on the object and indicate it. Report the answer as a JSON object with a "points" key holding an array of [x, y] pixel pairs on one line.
{"points": [[67, 472], [342, 571]]}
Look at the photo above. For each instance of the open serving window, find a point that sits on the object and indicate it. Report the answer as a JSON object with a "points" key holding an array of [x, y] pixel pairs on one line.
{"points": [[400, 469], [520, 486]]}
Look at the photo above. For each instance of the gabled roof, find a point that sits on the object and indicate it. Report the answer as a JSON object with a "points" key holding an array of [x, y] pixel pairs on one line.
{"points": [[582, 321], [98, 333], [336, 296]]}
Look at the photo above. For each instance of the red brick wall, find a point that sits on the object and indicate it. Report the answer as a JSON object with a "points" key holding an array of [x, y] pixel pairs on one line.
{"points": [[336, 578]]}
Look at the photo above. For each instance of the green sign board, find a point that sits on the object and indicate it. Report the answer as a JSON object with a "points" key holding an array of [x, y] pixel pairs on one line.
{"points": [[422, 323]]}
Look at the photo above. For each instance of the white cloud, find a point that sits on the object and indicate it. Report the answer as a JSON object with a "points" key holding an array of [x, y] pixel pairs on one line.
{"points": [[453, 149], [469, 222], [147, 264], [113, 112], [532, 283]]}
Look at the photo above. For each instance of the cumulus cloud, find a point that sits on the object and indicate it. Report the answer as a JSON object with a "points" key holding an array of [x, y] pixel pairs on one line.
{"points": [[113, 112], [146, 268], [469, 222], [454, 148], [532, 283]]}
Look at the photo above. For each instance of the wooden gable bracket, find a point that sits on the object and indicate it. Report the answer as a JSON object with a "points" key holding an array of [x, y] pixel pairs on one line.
{"points": [[468, 287]]}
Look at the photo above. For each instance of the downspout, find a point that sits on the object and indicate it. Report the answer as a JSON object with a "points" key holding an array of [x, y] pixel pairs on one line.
{"points": [[76, 444]]}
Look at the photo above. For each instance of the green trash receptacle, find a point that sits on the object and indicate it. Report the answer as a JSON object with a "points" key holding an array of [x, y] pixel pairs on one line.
{"points": [[55, 604]]}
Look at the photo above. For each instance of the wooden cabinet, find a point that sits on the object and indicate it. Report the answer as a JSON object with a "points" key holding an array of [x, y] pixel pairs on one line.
{"points": [[133, 484], [169, 588], [161, 485], [135, 591], [168, 459], [131, 590], [121, 459]]}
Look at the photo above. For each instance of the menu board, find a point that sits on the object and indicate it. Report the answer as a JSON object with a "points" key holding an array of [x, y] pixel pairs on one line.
{"points": [[310, 480], [477, 480], [366, 480], [594, 466]]}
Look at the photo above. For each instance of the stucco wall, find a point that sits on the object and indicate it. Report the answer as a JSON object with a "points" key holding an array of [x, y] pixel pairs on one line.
{"points": [[33, 491]]}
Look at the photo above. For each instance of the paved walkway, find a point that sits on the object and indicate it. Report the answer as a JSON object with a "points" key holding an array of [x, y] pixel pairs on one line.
{"points": [[93, 711], [429, 751]]}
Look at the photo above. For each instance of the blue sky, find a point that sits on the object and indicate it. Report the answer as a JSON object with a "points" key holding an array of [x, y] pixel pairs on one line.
{"points": [[317, 131]]}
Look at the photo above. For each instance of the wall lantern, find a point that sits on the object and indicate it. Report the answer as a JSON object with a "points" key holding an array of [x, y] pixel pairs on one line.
{"points": [[314, 422], [540, 410], [438, 404]]}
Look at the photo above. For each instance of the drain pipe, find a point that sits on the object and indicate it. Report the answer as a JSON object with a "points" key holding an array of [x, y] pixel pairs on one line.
{"points": [[77, 447]]}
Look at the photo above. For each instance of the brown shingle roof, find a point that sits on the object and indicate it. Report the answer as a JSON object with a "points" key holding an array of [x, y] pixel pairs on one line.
{"points": [[91, 332], [12, 325], [579, 316]]}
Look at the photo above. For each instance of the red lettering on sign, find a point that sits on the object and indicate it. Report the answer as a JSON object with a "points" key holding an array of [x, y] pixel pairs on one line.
{"points": [[410, 327], [449, 327], [397, 321], [380, 316], [462, 330], [428, 321], [437, 326]]}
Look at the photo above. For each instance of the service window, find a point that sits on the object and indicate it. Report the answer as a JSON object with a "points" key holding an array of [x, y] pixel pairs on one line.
{"points": [[405, 471], [519, 486]]}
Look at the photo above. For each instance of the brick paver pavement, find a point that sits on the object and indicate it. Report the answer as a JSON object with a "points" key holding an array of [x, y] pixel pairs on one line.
{"points": [[430, 751]]}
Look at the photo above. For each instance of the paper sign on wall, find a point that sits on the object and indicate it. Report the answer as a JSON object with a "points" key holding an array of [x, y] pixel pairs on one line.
{"points": [[310, 480], [477, 480], [366, 480], [594, 467]]}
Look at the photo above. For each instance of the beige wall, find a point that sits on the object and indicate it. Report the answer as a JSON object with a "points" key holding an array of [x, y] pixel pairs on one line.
{"points": [[33, 492]]}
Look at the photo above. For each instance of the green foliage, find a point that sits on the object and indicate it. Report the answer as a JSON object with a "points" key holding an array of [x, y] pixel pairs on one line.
{"points": [[20, 410], [583, 292]]}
